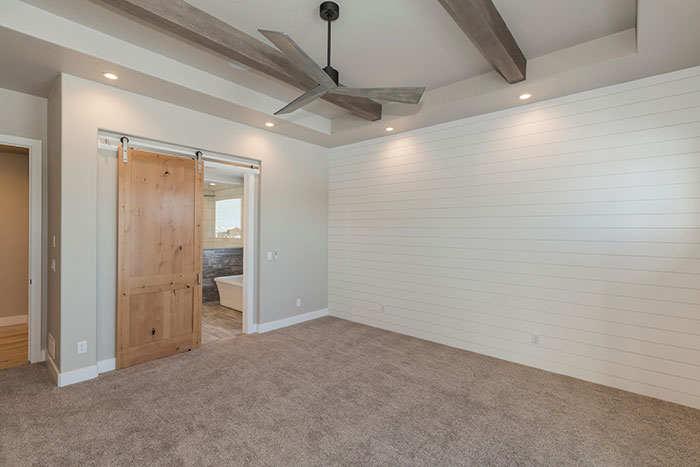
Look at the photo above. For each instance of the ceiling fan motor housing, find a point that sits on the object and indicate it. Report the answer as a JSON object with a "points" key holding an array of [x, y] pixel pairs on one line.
{"points": [[333, 73], [330, 11]]}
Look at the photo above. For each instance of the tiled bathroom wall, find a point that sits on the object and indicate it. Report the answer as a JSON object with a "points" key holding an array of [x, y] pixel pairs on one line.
{"points": [[219, 262]]}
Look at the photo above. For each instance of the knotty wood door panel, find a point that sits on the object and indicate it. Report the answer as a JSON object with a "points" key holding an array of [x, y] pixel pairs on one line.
{"points": [[159, 258]]}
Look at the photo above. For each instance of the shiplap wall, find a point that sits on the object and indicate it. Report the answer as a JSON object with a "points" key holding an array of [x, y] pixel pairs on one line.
{"points": [[576, 219]]}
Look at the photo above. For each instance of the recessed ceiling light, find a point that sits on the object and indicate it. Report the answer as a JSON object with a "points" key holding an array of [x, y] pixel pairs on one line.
{"points": [[524, 97], [110, 75], [389, 128], [269, 124], [212, 184]]}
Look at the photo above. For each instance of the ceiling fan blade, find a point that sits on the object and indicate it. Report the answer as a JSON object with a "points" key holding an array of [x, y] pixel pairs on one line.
{"points": [[295, 53], [302, 100], [406, 95]]}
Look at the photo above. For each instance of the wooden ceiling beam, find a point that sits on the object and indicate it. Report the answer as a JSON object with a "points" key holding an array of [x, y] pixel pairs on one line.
{"points": [[185, 21], [481, 21]]}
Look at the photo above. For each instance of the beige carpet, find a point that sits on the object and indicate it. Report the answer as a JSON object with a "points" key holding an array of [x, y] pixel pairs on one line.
{"points": [[331, 392]]}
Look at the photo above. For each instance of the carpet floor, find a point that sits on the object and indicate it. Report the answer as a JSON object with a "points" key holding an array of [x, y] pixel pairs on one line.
{"points": [[331, 392]]}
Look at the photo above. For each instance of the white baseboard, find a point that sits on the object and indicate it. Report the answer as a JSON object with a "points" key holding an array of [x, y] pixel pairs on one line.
{"points": [[70, 377], [77, 376], [283, 323], [103, 366], [13, 320]]}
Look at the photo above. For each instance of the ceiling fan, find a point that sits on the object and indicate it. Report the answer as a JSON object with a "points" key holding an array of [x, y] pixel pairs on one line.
{"points": [[327, 78]]}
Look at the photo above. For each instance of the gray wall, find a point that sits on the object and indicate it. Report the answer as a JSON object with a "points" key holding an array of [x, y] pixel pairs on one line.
{"points": [[293, 209], [53, 321]]}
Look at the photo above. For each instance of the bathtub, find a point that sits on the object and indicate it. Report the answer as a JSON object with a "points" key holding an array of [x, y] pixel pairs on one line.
{"points": [[230, 291]]}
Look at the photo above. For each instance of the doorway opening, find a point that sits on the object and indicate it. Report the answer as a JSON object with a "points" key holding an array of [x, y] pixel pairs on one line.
{"points": [[230, 248], [222, 260], [20, 250]]}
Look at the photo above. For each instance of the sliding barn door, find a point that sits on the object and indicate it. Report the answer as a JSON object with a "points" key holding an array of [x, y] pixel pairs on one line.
{"points": [[160, 257]]}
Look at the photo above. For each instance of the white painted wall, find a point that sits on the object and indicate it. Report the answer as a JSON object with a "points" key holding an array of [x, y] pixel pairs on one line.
{"points": [[25, 116], [577, 219], [293, 208]]}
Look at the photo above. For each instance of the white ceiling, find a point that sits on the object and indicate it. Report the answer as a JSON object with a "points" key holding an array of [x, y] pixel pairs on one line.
{"points": [[375, 43], [571, 46], [543, 26], [415, 42]]}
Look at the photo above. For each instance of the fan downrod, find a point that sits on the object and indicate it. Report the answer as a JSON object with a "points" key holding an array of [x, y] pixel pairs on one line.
{"points": [[330, 11]]}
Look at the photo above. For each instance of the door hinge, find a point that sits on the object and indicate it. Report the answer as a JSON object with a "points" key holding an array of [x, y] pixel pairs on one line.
{"points": [[125, 149], [199, 161]]}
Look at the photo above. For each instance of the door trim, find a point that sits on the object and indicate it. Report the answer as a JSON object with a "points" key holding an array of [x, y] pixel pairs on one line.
{"points": [[249, 254], [35, 235]]}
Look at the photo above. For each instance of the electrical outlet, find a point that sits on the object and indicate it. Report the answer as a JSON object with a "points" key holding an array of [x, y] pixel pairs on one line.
{"points": [[535, 338], [383, 307], [298, 302], [82, 347]]}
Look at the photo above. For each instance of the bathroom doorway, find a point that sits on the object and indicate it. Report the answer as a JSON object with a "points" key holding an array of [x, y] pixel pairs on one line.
{"points": [[228, 263], [222, 262]]}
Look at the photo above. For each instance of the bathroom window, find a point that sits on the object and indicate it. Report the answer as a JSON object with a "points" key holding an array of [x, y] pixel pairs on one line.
{"points": [[221, 215], [228, 218]]}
